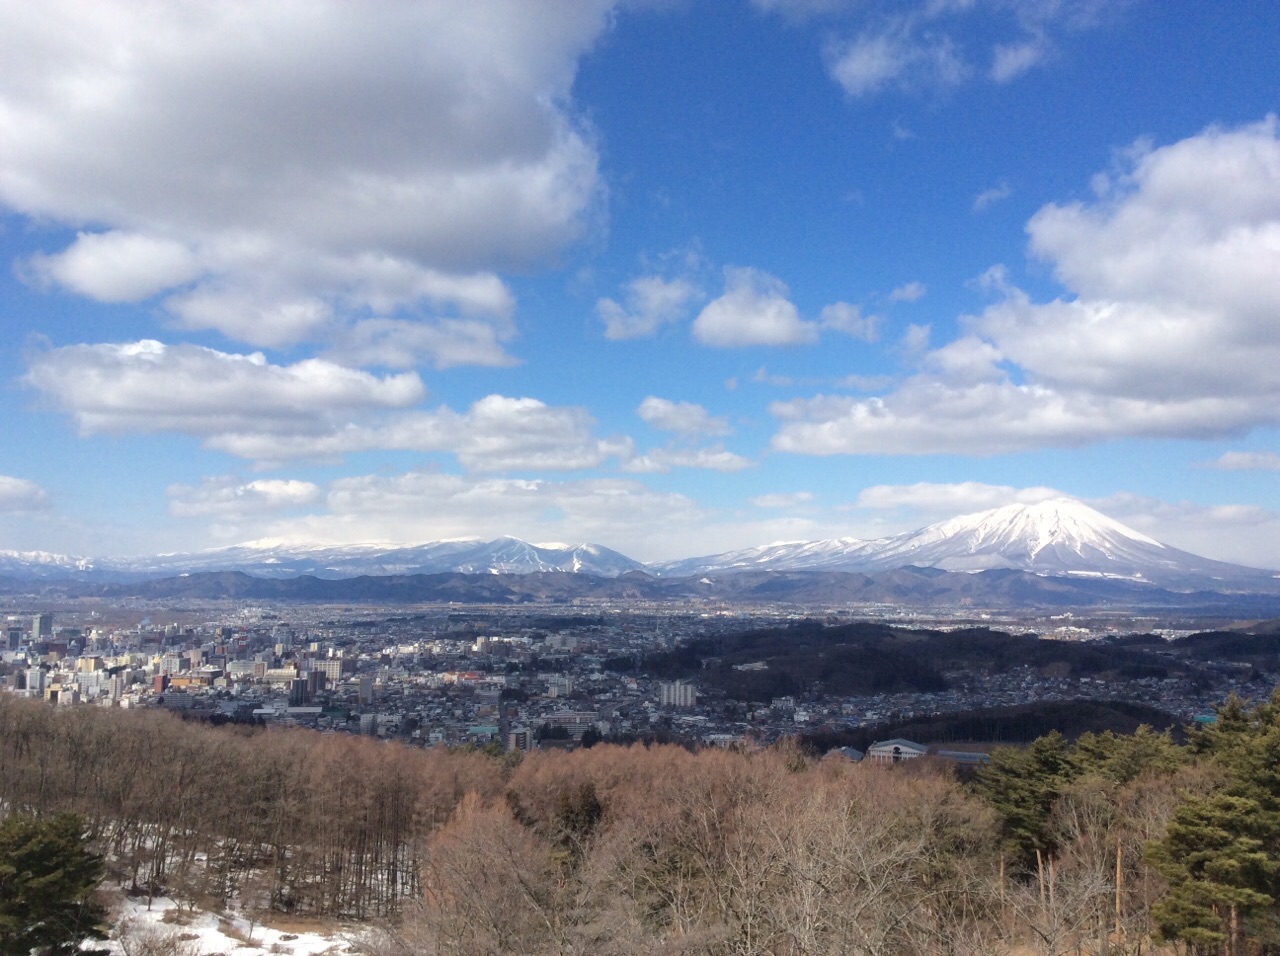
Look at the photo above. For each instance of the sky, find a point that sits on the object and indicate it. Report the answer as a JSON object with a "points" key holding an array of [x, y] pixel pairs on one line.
{"points": [[670, 277]]}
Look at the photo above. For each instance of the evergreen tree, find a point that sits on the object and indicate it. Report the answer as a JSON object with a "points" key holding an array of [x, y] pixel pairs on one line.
{"points": [[1218, 871], [1221, 854], [1021, 785], [47, 881]]}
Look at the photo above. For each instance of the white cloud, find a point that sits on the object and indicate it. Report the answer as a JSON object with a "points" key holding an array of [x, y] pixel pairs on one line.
{"points": [[661, 460], [314, 409], [993, 195], [226, 497], [925, 417], [1248, 461], [19, 495], [254, 152], [1241, 534], [151, 387], [846, 318], [909, 292], [443, 343], [650, 303], [926, 45], [500, 434], [947, 500], [496, 434], [897, 56], [118, 266], [754, 310], [426, 506], [620, 513], [781, 500], [1010, 60], [1192, 226], [916, 338], [1172, 332], [258, 316], [684, 418], [868, 63]]}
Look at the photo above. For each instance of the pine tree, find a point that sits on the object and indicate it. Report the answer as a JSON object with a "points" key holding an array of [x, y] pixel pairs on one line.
{"points": [[1217, 869], [47, 881], [1022, 785]]}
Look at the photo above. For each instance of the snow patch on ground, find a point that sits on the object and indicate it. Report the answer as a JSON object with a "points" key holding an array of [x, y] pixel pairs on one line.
{"points": [[227, 934]]}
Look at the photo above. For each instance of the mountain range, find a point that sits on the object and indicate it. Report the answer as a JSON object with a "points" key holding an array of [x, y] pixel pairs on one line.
{"points": [[1061, 538]]}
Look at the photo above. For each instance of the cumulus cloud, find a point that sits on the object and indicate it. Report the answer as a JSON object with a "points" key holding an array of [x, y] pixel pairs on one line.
{"points": [[754, 310], [916, 338], [426, 506], [19, 495], [688, 421], [1194, 225], [226, 497], [908, 292], [118, 266], [1241, 534], [684, 418], [495, 434], [1171, 332], [649, 303], [220, 169], [404, 343], [662, 460], [949, 499], [148, 387], [896, 56], [1248, 461], [315, 409], [846, 318]]}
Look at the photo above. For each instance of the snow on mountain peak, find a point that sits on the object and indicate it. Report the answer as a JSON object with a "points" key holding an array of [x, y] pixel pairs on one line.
{"points": [[1055, 521]]}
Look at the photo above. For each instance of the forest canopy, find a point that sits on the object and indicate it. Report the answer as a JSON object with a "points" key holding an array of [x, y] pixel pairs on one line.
{"points": [[1112, 843]]}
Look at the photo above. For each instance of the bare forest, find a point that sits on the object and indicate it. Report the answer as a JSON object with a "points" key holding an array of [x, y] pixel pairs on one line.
{"points": [[1108, 845]]}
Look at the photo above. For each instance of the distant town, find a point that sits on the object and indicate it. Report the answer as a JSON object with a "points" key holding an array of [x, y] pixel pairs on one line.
{"points": [[536, 676]]}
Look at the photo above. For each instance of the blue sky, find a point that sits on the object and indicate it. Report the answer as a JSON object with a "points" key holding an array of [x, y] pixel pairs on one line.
{"points": [[673, 277]]}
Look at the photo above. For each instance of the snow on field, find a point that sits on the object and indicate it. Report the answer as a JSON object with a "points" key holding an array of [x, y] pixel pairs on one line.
{"points": [[162, 929]]}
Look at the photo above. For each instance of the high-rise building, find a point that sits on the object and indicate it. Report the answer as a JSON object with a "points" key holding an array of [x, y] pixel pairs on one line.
{"points": [[35, 682], [331, 669], [677, 694], [41, 627], [520, 738]]}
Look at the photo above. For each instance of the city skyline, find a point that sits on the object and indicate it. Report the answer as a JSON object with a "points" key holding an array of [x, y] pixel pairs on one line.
{"points": [[674, 278]]}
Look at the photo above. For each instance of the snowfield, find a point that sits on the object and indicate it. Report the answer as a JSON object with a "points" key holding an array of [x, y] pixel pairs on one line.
{"points": [[162, 929]]}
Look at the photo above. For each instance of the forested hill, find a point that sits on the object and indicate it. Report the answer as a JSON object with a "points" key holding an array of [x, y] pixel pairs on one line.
{"points": [[1054, 847], [863, 659]]}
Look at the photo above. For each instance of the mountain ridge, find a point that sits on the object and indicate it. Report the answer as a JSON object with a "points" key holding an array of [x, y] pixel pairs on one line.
{"points": [[1057, 538]]}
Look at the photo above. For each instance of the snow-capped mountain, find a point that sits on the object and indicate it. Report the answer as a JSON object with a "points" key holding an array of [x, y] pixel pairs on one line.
{"points": [[266, 559], [1057, 537], [836, 554]]}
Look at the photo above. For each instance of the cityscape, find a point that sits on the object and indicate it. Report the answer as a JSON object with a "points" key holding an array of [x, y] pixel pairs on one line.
{"points": [[530, 677]]}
